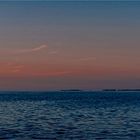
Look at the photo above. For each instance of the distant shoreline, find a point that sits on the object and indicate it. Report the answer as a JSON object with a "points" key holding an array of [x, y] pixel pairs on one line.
{"points": [[73, 90]]}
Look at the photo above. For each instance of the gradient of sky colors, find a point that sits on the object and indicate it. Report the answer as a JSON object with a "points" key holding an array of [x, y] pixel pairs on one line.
{"points": [[63, 45]]}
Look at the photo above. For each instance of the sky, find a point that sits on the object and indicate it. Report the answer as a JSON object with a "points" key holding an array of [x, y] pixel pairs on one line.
{"points": [[69, 45]]}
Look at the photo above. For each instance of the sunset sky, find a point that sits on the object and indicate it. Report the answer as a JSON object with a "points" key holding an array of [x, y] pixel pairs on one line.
{"points": [[64, 45]]}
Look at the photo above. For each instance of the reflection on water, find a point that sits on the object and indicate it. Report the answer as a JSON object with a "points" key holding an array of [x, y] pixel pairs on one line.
{"points": [[70, 116]]}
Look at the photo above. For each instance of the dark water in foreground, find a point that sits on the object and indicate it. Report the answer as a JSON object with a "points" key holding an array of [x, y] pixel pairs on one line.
{"points": [[70, 116]]}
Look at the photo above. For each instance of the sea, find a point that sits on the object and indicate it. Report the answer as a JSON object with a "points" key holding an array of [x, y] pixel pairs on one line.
{"points": [[83, 115]]}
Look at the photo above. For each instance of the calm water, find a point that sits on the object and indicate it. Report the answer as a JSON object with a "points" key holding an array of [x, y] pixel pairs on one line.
{"points": [[70, 116]]}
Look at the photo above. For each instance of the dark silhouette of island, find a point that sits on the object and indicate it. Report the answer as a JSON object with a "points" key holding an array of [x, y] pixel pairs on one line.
{"points": [[109, 90], [72, 90], [105, 90], [121, 90]]}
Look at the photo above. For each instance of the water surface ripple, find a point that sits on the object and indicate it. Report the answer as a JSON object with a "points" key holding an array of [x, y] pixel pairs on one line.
{"points": [[70, 116]]}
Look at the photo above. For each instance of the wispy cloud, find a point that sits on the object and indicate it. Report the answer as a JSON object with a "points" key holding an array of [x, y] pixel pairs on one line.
{"points": [[13, 67], [20, 51], [17, 51], [53, 73], [52, 52], [87, 58]]}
